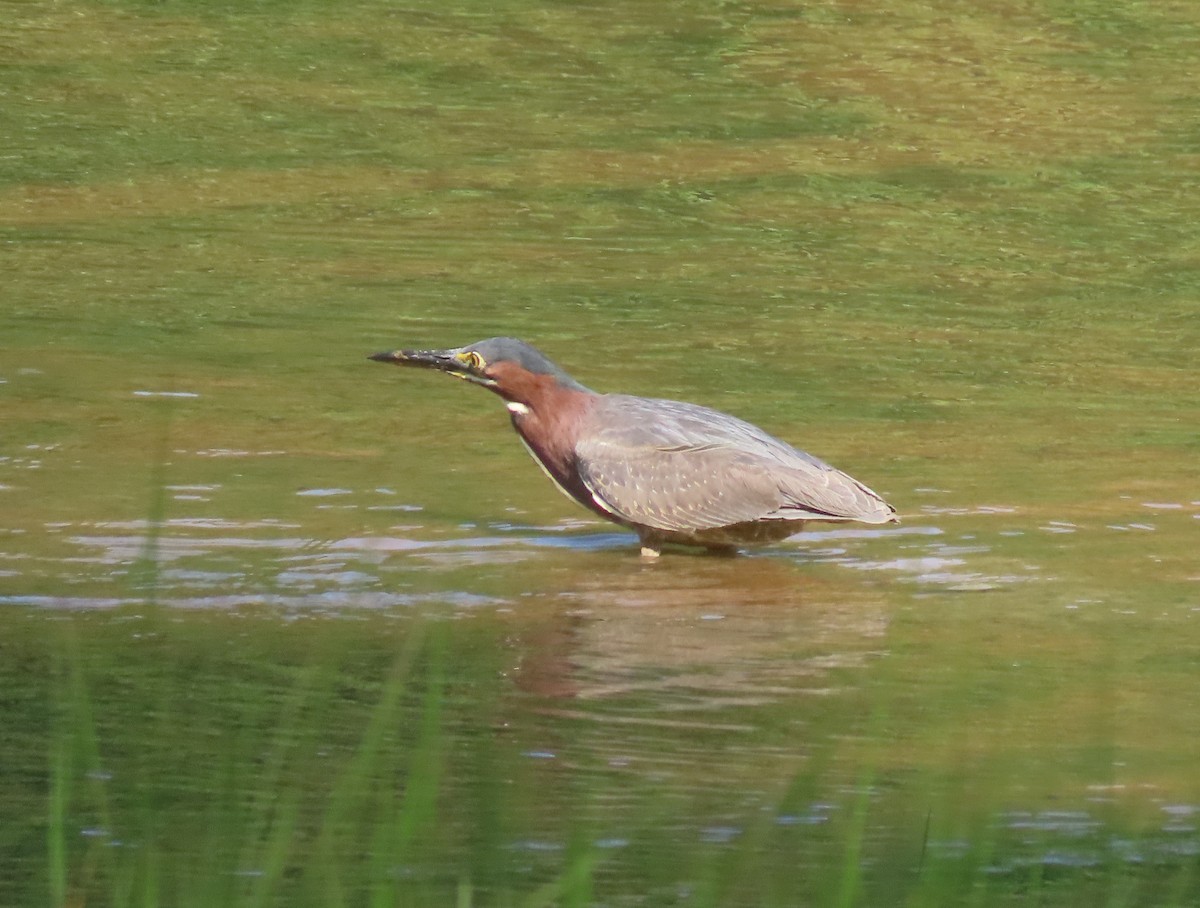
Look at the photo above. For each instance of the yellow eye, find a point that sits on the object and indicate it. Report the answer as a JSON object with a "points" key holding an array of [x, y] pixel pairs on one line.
{"points": [[472, 360]]}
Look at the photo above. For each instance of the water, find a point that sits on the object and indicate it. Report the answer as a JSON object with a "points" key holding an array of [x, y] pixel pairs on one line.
{"points": [[279, 625]]}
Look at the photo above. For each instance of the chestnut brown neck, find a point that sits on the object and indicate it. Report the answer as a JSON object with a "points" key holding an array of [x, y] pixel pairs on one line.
{"points": [[549, 418]]}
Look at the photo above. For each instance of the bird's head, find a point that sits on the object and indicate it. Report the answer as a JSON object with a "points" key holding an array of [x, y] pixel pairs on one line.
{"points": [[505, 365]]}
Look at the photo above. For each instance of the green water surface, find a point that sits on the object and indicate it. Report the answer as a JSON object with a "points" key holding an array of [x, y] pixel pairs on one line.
{"points": [[281, 626]]}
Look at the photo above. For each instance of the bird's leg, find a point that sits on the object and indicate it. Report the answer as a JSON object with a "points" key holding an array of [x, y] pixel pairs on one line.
{"points": [[651, 547]]}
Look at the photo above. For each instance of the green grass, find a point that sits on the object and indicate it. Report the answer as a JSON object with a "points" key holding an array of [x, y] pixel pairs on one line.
{"points": [[300, 766]]}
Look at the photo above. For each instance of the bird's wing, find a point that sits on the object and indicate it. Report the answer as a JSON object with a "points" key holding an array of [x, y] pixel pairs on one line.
{"points": [[677, 466]]}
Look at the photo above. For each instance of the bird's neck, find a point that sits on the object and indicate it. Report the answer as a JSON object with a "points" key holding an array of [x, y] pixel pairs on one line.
{"points": [[539, 394], [549, 417]]}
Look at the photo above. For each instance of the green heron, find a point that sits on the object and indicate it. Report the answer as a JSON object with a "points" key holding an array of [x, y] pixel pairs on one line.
{"points": [[671, 471]]}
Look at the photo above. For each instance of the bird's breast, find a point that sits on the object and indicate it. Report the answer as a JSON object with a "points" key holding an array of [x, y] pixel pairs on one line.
{"points": [[548, 449]]}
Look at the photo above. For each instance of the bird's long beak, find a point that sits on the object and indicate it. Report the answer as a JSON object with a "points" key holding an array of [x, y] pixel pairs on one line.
{"points": [[442, 360]]}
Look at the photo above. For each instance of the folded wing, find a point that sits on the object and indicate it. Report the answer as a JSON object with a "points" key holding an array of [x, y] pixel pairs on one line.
{"points": [[677, 467]]}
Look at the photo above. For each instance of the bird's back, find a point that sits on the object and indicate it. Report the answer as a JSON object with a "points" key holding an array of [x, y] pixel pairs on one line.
{"points": [[677, 466]]}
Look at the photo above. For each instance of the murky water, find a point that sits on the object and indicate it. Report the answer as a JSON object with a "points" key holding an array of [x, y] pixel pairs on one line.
{"points": [[279, 625]]}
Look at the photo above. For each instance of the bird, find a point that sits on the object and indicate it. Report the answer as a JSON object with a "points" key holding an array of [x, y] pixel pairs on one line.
{"points": [[675, 473]]}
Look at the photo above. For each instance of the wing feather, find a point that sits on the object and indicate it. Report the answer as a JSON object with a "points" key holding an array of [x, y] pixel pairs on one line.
{"points": [[678, 467]]}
